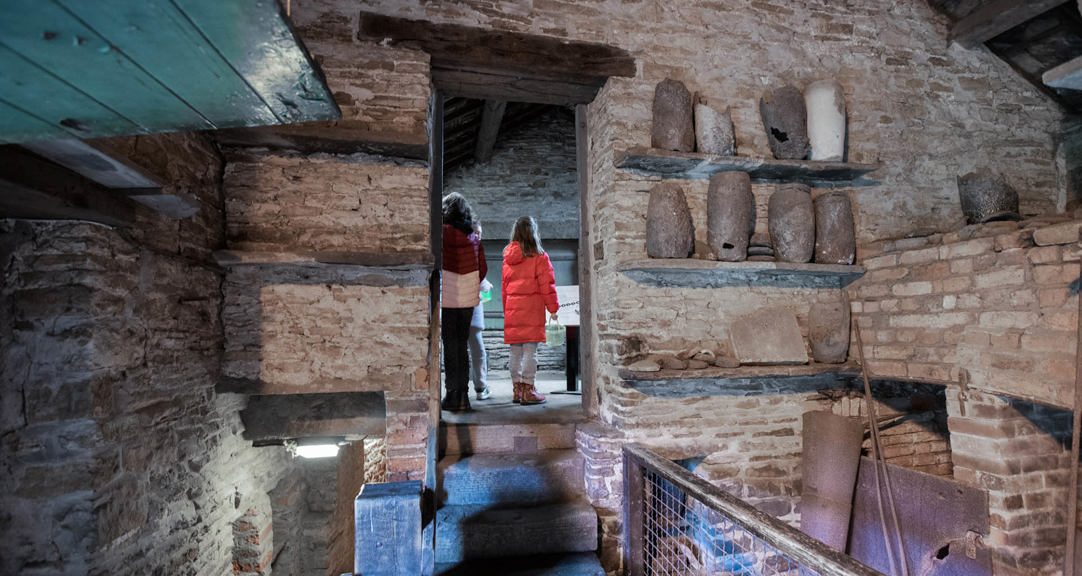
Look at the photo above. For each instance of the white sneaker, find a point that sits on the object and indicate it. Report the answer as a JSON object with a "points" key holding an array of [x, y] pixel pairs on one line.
{"points": [[484, 393]]}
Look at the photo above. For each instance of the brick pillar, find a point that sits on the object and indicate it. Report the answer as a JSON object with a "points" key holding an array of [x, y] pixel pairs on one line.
{"points": [[1018, 451], [601, 448], [253, 543]]}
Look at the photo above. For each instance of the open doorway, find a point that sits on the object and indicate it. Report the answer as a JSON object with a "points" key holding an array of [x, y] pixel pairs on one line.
{"points": [[512, 159]]}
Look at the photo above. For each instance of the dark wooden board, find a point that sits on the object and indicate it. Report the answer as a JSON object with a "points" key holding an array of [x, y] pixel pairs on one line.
{"points": [[697, 166], [994, 18], [515, 87], [455, 45], [31, 187]]}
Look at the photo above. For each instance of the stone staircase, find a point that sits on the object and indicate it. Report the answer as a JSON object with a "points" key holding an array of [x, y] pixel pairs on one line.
{"points": [[511, 502]]}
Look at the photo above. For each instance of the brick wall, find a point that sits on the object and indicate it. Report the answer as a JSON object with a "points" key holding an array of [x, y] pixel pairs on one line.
{"points": [[1019, 452], [995, 301]]}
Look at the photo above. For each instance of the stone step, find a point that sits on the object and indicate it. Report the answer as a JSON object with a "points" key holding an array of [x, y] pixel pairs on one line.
{"points": [[476, 531], [521, 437], [578, 564], [510, 479]]}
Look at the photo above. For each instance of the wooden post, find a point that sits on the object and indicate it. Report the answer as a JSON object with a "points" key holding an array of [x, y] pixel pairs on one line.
{"points": [[387, 518], [1076, 423], [633, 520]]}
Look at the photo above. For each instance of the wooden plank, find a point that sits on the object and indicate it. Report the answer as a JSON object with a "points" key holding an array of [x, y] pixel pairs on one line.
{"points": [[491, 118], [1067, 75], [29, 87], [49, 36], [256, 40], [697, 166], [453, 45], [995, 18], [17, 125], [515, 88], [200, 76], [31, 187], [317, 137], [105, 169], [634, 518]]}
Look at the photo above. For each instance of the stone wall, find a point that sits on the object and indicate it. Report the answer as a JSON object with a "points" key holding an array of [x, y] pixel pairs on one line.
{"points": [[119, 455], [928, 111], [532, 172], [356, 318]]}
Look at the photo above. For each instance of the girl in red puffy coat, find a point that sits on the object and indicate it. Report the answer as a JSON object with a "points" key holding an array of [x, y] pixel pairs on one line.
{"points": [[529, 289]]}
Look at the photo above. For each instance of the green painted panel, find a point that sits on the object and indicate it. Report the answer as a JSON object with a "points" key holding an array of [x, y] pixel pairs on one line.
{"points": [[255, 38], [18, 126], [152, 34], [44, 33], [57, 104]]}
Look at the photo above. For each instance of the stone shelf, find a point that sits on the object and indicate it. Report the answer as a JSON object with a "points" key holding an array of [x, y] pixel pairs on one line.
{"points": [[346, 268], [742, 381], [695, 166], [249, 257], [692, 273]]}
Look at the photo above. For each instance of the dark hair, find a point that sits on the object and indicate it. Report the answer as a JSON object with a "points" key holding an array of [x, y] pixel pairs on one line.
{"points": [[525, 233], [457, 212]]}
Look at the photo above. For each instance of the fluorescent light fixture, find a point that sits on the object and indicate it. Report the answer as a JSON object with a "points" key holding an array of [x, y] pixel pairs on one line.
{"points": [[317, 450]]}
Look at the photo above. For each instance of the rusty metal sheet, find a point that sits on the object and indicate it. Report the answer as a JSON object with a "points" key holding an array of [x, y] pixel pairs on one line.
{"points": [[935, 515]]}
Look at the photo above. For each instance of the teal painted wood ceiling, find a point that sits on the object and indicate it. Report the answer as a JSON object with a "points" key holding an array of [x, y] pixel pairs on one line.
{"points": [[97, 68]]}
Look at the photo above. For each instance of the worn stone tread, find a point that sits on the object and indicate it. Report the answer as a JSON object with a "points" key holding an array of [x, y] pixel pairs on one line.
{"points": [[478, 531], [516, 479], [578, 564]]}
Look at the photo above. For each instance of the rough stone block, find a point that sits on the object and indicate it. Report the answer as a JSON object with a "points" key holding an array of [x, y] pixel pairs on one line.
{"points": [[768, 336], [388, 525], [1065, 233]]}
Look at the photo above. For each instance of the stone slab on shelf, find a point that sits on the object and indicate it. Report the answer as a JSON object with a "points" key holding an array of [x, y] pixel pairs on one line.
{"points": [[693, 273], [696, 166], [243, 257], [743, 381], [342, 268]]}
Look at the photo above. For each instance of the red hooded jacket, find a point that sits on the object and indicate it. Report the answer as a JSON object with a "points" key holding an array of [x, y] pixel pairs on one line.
{"points": [[529, 288]]}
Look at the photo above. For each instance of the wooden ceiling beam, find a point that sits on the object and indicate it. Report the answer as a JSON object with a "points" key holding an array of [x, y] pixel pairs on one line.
{"points": [[491, 118], [995, 18], [32, 187], [497, 86], [491, 64]]}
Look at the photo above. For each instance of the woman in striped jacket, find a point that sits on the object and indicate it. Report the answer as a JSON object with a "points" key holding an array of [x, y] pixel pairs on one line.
{"points": [[460, 287]]}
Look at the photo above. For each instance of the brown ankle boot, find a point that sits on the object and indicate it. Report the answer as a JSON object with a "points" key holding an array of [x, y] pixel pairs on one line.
{"points": [[530, 395], [517, 399]]}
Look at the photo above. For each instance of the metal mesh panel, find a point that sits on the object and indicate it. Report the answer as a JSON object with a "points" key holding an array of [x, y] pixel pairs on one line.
{"points": [[682, 536]]}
